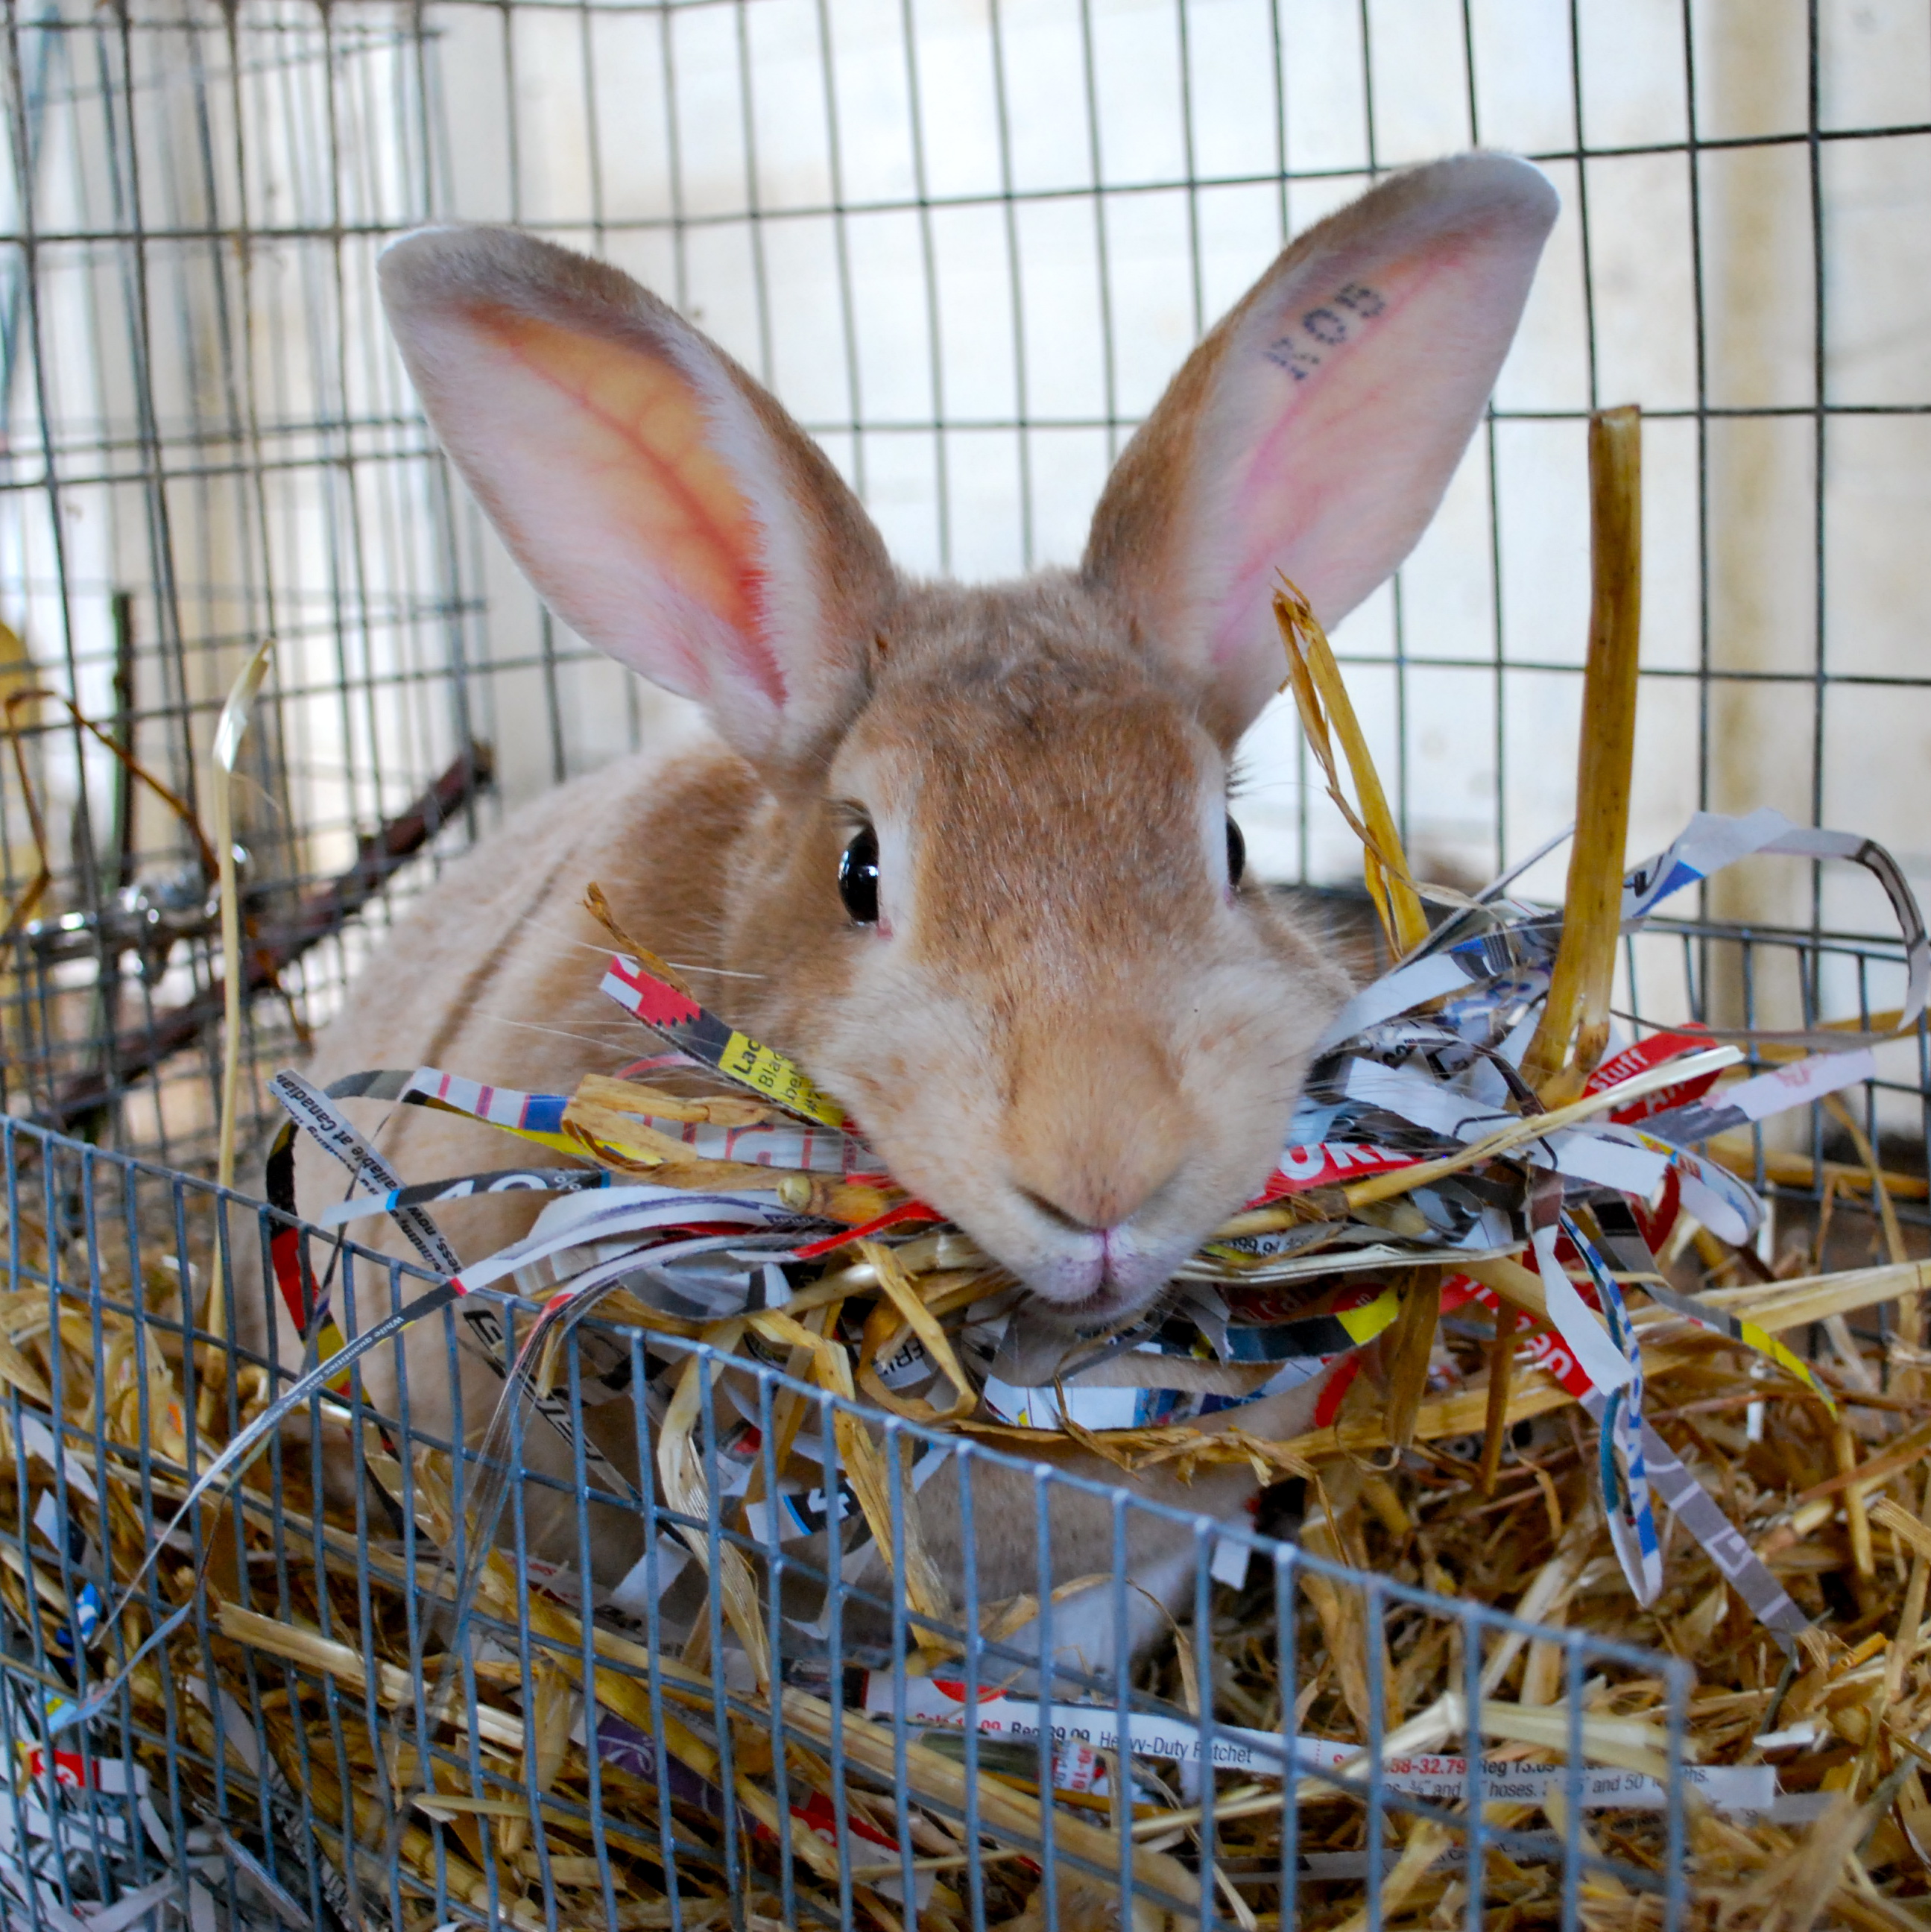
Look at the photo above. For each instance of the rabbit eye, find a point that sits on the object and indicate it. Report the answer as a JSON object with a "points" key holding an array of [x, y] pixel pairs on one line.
{"points": [[858, 877], [1236, 854]]}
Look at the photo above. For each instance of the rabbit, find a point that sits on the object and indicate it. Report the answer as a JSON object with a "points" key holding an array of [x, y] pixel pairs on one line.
{"points": [[1067, 1021]]}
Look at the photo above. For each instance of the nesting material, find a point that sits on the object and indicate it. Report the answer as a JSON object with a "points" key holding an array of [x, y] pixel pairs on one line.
{"points": [[1564, 1385], [320, 1658]]}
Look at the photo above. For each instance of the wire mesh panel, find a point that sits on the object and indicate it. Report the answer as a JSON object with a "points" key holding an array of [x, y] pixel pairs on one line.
{"points": [[316, 1693], [288, 1642], [600, 1657], [967, 244], [209, 444]]}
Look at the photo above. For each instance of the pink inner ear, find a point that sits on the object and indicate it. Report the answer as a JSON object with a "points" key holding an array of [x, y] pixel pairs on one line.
{"points": [[1366, 393], [630, 444]]}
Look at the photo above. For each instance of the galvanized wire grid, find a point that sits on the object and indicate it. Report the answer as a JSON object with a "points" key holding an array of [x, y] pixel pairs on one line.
{"points": [[966, 244], [126, 1235], [235, 1816]]}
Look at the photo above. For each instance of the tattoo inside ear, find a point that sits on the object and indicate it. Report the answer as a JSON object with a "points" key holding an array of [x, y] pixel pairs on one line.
{"points": [[1326, 326]]}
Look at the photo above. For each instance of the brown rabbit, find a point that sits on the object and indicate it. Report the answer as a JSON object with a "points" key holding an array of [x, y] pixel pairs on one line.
{"points": [[1064, 1023]]}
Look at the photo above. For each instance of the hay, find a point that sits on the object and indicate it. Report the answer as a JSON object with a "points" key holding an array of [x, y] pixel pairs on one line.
{"points": [[1849, 1724], [544, 1767]]}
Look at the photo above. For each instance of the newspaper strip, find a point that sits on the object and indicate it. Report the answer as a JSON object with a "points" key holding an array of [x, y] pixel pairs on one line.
{"points": [[463, 1187], [539, 1117], [600, 1215], [1623, 1238], [313, 1109], [1523, 949], [674, 1016], [933, 1702], [1801, 1081], [1678, 1489], [1622, 1464]]}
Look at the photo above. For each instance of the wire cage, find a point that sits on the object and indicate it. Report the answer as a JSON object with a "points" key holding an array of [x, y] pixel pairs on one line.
{"points": [[247, 1749], [965, 241], [966, 246]]}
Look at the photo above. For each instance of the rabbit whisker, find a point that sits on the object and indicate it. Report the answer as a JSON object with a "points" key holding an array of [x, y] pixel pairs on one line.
{"points": [[561, 1033]]}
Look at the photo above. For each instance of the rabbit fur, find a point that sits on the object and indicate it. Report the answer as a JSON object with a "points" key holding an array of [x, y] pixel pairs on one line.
{"points": [[1069, 1029]]}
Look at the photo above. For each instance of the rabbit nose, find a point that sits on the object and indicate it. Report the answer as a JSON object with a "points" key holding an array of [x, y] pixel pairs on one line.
{"points": [[1094, 1135], [1072, 1222], [1094, 1190]]}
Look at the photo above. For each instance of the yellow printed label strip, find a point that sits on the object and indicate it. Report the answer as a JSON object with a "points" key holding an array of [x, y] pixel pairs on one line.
{"points": [[767, 1072], [1364, 1323]]}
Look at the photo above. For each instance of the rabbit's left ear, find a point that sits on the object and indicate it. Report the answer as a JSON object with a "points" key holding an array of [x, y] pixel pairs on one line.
{"points": [[1314, 431]]}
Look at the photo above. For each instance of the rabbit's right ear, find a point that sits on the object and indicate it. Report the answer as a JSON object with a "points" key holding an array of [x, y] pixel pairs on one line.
{"points": [[665, 507], [1315, 430]]}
